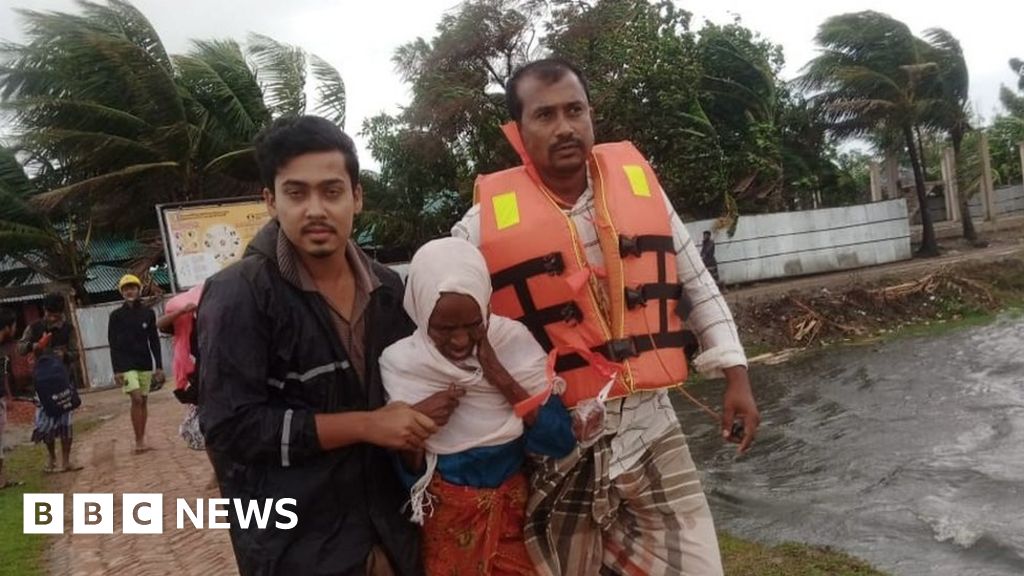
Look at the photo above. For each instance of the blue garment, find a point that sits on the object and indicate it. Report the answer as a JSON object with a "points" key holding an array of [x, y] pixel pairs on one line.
{"points": [[490, 466]]}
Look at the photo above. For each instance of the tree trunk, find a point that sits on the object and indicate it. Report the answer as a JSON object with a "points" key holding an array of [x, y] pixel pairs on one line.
{"points": [[970, 234], [929, 244], [920, 152]]}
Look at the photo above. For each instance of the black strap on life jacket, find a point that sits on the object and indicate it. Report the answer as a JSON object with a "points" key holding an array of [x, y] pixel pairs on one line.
{"points": [[625, 348], [662, 291], [615, 350], [516, 276]]}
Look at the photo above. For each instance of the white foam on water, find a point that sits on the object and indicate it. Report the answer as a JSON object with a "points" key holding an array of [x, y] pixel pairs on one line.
{"points": [[948, 523]]}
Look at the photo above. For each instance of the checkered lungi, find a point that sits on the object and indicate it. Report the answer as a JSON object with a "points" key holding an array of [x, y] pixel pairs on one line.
{"points": [[651, 520]]}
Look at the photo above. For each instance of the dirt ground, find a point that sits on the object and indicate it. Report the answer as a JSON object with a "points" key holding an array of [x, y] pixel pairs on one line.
{"points": [[938, 293]]}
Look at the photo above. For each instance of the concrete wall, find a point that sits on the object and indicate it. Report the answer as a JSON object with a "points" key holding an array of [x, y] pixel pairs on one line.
{"points": [[810, 242], [1009, 202], [937, 208], [92, 323]]}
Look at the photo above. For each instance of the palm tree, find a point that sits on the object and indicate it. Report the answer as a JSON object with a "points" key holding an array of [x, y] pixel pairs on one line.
{"points": [[57, 251], [950, 112], [114, 124], [871, 77]]}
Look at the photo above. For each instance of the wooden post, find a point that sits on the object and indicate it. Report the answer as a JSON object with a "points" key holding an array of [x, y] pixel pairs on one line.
{"points": [[876, 180], [987, 185], [83, 365]]}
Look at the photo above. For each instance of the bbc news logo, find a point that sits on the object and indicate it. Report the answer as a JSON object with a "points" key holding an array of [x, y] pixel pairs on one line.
{"points": [[144, 513]]}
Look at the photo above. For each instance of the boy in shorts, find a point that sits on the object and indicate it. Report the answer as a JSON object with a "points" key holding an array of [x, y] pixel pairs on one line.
{"points": [[134, 351]]}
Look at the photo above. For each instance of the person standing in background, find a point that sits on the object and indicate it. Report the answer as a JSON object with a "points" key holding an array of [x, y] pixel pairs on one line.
{"points": [[134, 351]]}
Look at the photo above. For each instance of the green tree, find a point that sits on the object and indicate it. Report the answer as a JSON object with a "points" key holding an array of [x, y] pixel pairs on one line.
{"points": [[812, 169], [413, 199], [708, 109], [871, 77], [1013, 102], [458, 80], [654, 99], [432, 151], [1004, 137], [743, 98]]}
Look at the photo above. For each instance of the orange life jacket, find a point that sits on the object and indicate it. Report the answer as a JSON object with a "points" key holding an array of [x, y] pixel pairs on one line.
{"points": [[541, 277]]}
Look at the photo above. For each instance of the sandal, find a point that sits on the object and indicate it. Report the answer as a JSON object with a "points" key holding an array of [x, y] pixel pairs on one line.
{"points": [[12, 484], [51, 469], [72, 468]]}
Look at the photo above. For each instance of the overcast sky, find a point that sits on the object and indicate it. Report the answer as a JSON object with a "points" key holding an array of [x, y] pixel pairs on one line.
{"points": [[360, 36]]}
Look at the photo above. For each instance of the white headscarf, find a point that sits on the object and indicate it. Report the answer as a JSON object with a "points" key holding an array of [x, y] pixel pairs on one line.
{"points": [[413, 368]]}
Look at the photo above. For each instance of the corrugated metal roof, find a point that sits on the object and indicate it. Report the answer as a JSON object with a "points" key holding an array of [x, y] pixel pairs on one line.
{"points": [[101, 277], [114, 250], [105, 278], [101, 251], [26, 298]]}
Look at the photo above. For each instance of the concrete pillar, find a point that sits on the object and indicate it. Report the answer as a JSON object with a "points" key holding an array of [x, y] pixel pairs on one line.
{"points": [[892, 174], [950, 184], [1020, 146], [876, 178], [988, 188]]}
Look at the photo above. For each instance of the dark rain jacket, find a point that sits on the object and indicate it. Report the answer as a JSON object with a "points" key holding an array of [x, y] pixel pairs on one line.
{"points": [[269, 359]]}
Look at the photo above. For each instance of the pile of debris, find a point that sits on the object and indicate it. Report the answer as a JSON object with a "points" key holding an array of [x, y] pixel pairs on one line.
{"points": [[867, 312]]}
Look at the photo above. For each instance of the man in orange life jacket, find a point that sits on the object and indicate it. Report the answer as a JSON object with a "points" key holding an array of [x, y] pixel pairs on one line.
{"points": [[585, 249]]}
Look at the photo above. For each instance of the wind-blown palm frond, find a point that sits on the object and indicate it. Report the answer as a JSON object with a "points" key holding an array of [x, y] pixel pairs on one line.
{"points": [[281, 71], [330, 91], [133, 25], [217, 77], [53, 198], [21, 227]]}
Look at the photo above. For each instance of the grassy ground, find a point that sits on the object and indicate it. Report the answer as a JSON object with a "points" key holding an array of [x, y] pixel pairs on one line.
{"points": [[745, 558], [22, 554]]}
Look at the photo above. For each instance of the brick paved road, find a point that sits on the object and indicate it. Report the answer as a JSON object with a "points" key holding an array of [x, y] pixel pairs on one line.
{"points": [[171, 469]]}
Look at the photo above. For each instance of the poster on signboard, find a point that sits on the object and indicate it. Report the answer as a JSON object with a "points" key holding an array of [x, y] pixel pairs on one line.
{"points": [[202, 238]]}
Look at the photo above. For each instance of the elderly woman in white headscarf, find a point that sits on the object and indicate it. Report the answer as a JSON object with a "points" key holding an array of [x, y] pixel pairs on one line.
{"points": [[471, 492]]}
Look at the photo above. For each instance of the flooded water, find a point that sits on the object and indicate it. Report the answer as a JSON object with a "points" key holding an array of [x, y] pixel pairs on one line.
{"points": [[908, 454]]}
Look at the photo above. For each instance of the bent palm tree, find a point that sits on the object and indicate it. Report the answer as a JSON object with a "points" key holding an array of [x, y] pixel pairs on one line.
{"points": [[950, 111], [870, 77], [113, 124], [117, 125]]}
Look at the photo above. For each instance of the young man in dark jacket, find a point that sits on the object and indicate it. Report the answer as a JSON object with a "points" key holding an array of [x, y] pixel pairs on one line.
{"points": [[134, 350], [291, 401]]}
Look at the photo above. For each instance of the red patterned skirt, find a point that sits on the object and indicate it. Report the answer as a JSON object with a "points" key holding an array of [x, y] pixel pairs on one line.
{"points": [[477, 530]]}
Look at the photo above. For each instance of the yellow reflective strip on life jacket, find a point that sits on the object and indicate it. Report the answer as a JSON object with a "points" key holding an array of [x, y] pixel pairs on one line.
{"points": [[506, 210], [637, 180], [601, 203]]}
